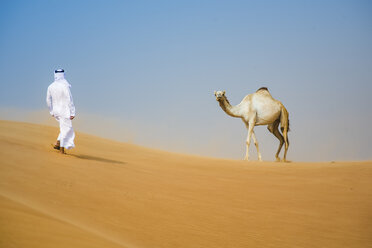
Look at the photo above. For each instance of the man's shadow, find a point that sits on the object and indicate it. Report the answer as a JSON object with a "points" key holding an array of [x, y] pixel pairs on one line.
{"points": [[99, 159]]}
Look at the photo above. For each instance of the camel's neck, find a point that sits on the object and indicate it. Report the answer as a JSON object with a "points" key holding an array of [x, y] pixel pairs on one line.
{"points": [[233, 111]]}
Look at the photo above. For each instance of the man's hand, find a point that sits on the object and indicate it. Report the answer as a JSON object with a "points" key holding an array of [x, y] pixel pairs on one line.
{"points": [[72, 117]]}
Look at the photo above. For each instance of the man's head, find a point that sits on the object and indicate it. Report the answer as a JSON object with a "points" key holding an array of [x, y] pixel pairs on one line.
{"points": [[59, 74]]}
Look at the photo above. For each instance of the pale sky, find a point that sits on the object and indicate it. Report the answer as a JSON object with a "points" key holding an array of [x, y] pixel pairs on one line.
{"points": [[145, 71]]}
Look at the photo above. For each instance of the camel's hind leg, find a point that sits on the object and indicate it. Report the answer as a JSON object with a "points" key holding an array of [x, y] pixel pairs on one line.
{"points": [[281, 140], [285, 134], [273, 128]]}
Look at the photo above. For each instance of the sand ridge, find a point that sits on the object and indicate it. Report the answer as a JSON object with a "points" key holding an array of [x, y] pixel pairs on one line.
{"points": [[112, 194]]}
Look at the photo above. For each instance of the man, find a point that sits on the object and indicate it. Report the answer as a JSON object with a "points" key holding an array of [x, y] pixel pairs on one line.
{"points": [[61, 107]]}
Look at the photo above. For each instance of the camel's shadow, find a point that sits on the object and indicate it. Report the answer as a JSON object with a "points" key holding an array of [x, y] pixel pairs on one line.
{"points": [[99, 159]]}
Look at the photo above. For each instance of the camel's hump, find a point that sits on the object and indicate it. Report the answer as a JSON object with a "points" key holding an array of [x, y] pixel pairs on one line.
{"points": [[262, 88]]}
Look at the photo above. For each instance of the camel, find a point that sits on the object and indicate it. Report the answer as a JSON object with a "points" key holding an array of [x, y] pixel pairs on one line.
{"points": [[257, 109]]}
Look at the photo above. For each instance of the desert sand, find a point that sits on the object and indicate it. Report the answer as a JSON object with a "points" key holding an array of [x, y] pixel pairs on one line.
{"points": [[111, 194]]}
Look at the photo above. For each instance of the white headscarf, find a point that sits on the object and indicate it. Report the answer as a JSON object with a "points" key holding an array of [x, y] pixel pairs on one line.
{"points": [[59, 75]]}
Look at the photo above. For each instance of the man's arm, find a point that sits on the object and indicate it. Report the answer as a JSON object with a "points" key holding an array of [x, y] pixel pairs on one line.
{"points": [[71, 105], [49, 102]]}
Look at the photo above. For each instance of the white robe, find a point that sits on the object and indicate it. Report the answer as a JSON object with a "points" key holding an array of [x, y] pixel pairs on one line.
{"points": [[61, 106]]}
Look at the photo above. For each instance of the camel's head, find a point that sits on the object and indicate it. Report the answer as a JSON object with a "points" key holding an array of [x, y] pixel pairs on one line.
{"points": [[219, 95]]}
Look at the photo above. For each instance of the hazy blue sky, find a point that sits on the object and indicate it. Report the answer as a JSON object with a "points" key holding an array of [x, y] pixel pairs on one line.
{"points": [[145, 71]]}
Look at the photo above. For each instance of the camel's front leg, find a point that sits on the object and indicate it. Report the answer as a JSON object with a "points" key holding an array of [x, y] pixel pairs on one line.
{"points": [[256, 144], [248, 142]]}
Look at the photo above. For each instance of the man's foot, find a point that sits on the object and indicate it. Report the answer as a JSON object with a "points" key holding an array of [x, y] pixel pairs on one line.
{"points": [[62, 150], [57, 145]]}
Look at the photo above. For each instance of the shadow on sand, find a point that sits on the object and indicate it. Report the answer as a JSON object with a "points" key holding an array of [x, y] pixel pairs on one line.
{"points": [[99, 159]]}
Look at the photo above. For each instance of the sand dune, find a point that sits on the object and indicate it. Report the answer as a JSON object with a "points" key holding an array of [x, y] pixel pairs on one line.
{"points": [[111, 194]]}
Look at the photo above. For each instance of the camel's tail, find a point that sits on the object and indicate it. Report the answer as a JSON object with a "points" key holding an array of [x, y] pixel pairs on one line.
{"points": [[284, 119]]}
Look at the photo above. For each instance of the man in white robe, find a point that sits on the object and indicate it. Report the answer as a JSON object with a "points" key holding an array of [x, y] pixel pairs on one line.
{"points": [[61, 107]]}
